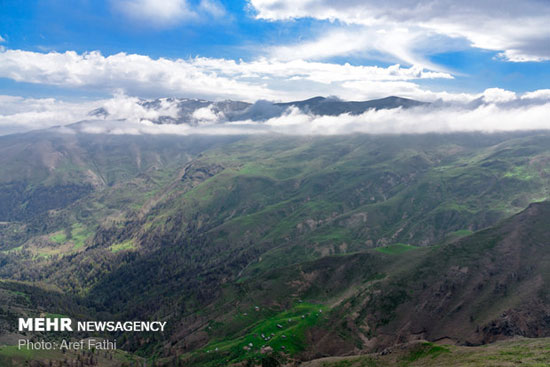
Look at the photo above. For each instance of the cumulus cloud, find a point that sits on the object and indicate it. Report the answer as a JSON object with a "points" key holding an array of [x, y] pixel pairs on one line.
{"points": [[210, 77], [207, 115], [541, 94], [136, 74], [168, 13], [2, 39], [493, 95], [160, 13], [129, 108], [518, 29]]}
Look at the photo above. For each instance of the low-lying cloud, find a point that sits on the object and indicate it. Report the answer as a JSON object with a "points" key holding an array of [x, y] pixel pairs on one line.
{"points": [[484, 118], [495, 110], [18, 114]]}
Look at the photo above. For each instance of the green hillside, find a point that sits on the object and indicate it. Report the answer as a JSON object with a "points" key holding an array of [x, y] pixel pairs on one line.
{"points": [[200, 230]]}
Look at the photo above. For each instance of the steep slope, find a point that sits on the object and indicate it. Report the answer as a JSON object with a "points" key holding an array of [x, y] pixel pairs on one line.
{"points": [[269, 197], [43, 172], [202, 221], [481, 288], [488, 286], [519, 351]]}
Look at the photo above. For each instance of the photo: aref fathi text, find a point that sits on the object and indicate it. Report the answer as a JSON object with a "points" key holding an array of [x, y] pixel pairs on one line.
{"points": [[83, 344]]}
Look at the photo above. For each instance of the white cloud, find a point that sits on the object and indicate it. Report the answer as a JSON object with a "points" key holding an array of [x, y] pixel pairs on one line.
{"points": [[212, 78], [518, 29], [22, 114], [135, 74], [488, 118], [129, 108], [206, 116], [390, 43], [18, 114], [495, 111], [168, 13], [538, 94], [212, 7], [2, 39], [498, 95], [160, 13], [485, 118]]}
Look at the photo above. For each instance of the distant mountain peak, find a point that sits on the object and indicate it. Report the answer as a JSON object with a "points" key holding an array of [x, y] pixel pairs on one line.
{"points": [[187, 109], [99, 113]]}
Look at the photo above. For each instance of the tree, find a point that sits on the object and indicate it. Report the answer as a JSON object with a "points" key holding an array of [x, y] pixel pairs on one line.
{"points": [[270, 361]]}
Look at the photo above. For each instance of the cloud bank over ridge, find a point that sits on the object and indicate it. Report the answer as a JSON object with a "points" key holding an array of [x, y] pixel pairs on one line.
{"points": [[492, 111]]}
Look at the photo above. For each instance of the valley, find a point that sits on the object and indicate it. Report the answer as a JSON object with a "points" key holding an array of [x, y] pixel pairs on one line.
{"points": [[301, 247], [274, 183]]}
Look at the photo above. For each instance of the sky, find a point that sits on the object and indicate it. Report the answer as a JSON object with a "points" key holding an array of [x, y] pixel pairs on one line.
{"points": [[60, 57]]}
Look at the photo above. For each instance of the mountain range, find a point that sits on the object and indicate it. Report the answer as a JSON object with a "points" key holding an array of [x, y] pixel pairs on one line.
{"points": [[267, 249], [195, 111]]}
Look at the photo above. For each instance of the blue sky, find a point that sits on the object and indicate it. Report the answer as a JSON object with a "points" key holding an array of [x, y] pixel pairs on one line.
{"points": [[98, 25], [272, 49]]}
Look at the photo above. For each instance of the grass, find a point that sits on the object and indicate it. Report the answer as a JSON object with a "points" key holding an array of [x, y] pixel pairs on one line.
{"points": [[396, 249], [13, 250], [521, 173], [21, 294], [393, 182], [284, 330], [126, 245], [79, 234], [452, 236], [55, 316], [13, 351], [461, 233], [426, 350], [12, 356], [362, 361], [59, 237], [332, 235], [515, 352]]}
